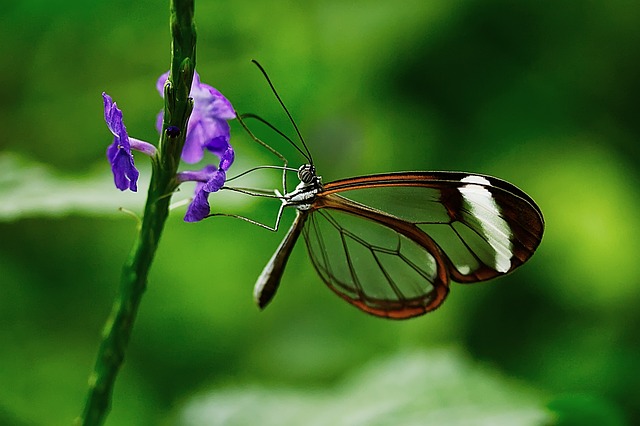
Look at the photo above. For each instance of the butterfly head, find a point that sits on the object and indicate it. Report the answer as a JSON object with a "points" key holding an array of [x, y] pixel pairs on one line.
{"points": [[307, 175]]}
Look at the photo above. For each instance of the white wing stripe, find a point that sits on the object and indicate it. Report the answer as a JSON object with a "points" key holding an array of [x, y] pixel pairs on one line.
{"points": [[484, 208]]}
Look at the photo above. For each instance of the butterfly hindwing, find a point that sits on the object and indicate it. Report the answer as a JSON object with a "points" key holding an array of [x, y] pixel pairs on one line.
{"points": [[373, 266]]}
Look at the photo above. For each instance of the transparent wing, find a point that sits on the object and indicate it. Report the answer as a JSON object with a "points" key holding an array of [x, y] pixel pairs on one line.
{"points": [[484, 226], [375, 267]]}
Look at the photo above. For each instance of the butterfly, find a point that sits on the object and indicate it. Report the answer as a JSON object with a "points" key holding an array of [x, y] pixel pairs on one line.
{"points": [[390, 244]]}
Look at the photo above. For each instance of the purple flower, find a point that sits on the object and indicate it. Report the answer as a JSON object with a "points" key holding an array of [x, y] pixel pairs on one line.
{"points": [[209, 179], [207, 128], [226, 159], [199, 207], [125, 174]]}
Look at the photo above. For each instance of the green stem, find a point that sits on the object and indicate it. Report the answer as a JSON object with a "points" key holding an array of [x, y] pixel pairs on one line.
{"points": [[119, 326]]}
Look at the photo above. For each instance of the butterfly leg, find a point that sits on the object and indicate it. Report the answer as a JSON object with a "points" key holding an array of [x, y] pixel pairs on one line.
{"points": [[273, 228]]}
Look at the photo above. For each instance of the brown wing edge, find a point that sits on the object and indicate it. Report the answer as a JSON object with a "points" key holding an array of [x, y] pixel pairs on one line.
{"points": [[401, 309]]}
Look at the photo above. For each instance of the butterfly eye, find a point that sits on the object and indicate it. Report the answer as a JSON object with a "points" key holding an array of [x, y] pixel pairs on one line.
{"points": [[307, 173]]}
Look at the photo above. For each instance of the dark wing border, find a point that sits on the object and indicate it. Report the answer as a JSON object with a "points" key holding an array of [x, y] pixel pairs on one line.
{"points": [[400, 309]]}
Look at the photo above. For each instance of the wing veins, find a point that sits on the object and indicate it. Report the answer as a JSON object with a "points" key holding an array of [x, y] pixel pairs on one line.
{"points": [[352, 272], [323, 251], [327, 267], [504, 249], [397, 252], [531, 233], [415, 267], [471, 251], [435, 222], [373, 249], [392, 284]]}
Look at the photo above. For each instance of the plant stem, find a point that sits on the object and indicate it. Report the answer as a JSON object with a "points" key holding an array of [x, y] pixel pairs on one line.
{"points": [[118, 328]]}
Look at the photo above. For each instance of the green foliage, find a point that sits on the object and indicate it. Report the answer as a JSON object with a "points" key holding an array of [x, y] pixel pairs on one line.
{"points": [[539, 93], [585, 410], [31, 189], [413, 388]]}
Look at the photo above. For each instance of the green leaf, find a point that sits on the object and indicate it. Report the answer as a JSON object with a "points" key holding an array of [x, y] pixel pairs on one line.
{"points": [[439, 387], [31, 189], [585, 410]]}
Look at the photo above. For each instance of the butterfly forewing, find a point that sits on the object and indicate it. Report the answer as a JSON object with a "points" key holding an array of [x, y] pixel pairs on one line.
{"points": [[373, 266]]}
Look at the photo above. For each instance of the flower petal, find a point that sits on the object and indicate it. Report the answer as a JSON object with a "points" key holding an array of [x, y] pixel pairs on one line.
{"points": [[159, 119], [200, 176], [212, 102], [113, 118], [216, 181], [218, 135], [199, 207], [125, 174], [192, 152], [227, 158], [209, 179]]}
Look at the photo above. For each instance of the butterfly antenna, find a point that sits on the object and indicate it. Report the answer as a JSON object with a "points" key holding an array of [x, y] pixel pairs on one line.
{"points": [[295, 126], [275, 129]]}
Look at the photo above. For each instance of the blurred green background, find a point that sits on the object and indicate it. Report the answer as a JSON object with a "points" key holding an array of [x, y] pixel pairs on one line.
{"points": [[541, 93]]}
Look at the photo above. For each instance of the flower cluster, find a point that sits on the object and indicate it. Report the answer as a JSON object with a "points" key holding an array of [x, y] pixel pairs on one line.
{"points": [[207, 130]]}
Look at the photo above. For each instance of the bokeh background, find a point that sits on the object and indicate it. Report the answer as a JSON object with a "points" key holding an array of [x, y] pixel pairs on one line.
{"points": [[541, 93]]}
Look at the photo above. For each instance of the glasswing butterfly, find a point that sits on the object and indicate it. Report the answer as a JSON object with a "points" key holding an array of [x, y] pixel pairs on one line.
{"points": [[390, 243]]}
